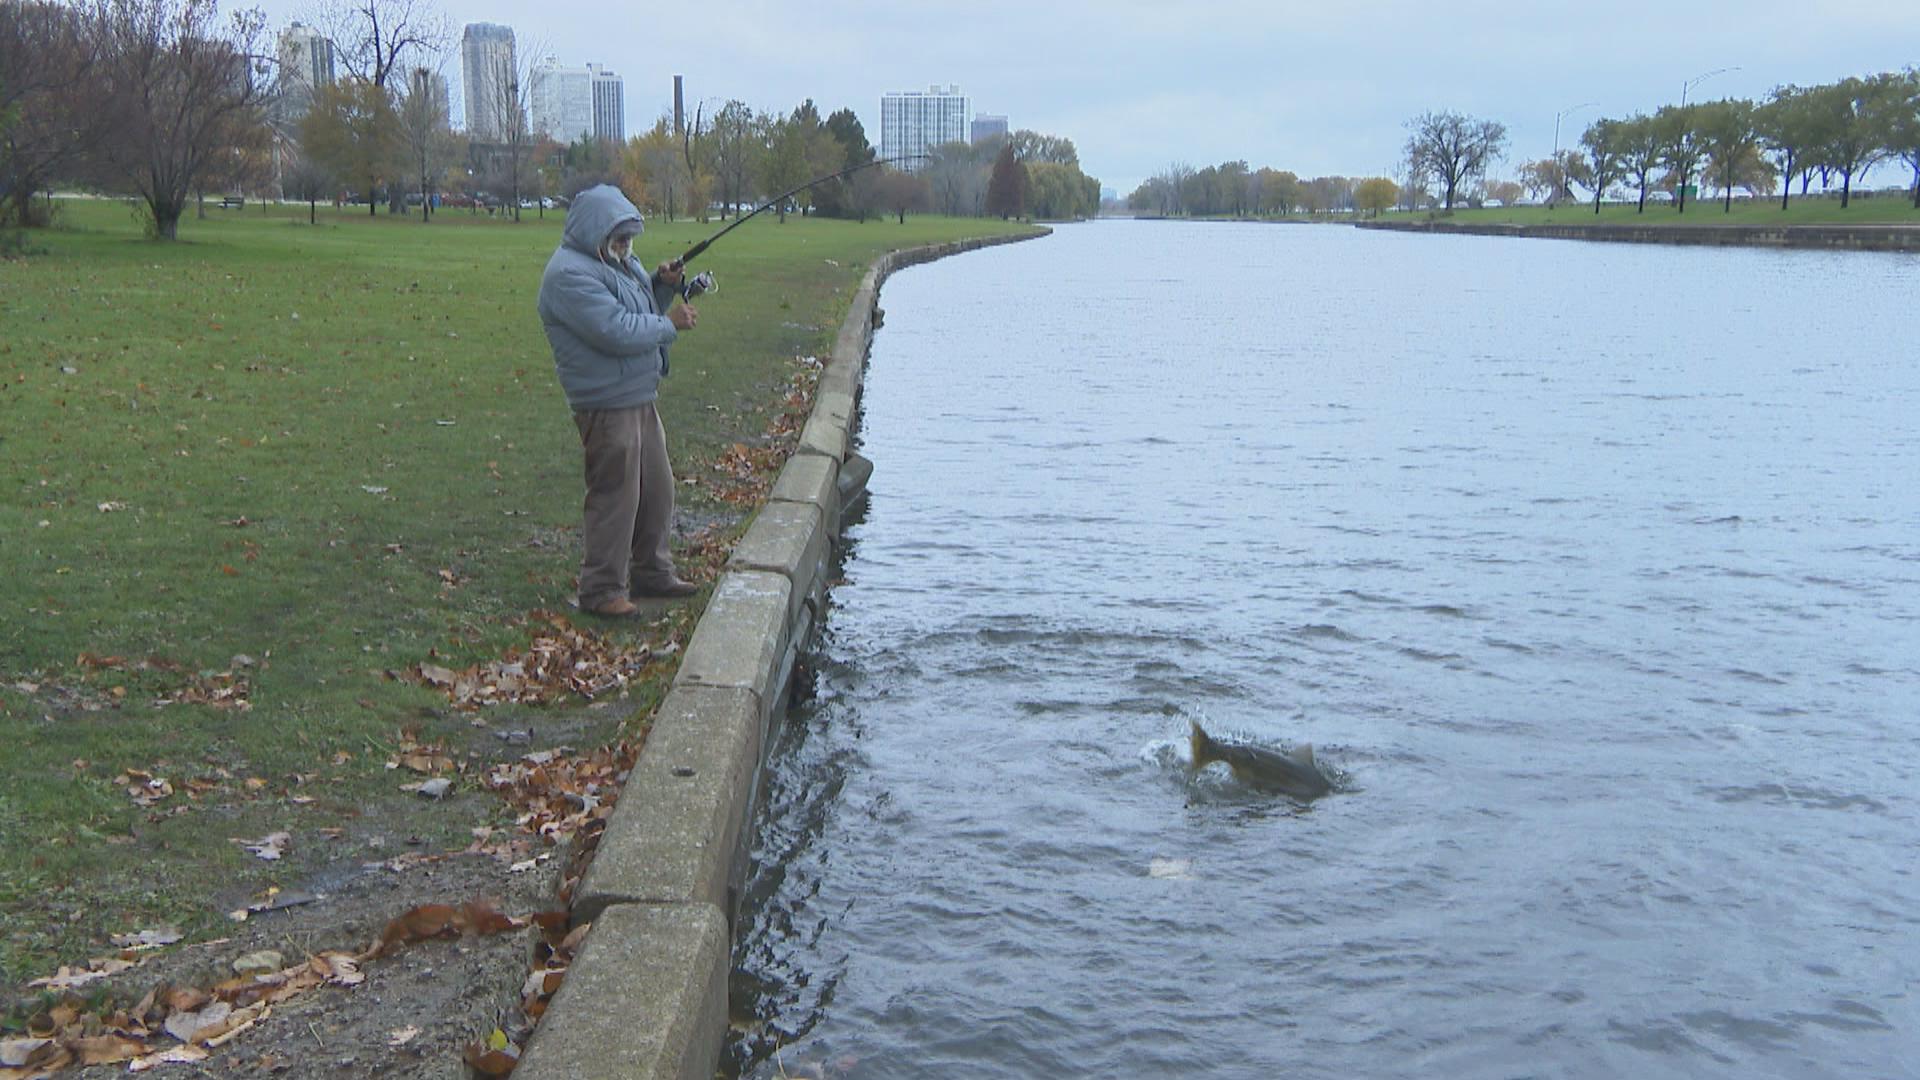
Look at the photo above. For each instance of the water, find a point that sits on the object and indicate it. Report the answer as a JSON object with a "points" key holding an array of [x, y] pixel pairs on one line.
{"points": [[1594, 570]]}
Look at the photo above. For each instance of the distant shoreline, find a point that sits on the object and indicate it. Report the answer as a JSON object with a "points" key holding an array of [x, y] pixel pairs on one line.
{"points": [[1866, 237]]}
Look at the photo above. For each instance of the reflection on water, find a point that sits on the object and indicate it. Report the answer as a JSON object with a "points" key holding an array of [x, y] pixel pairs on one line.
{"points": [[1592, 568]]}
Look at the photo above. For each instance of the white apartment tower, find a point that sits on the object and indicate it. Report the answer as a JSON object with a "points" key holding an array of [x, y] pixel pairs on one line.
{"points": [[306, 64], [913, 122], [489, 74], [560, 101], [609, 105]]}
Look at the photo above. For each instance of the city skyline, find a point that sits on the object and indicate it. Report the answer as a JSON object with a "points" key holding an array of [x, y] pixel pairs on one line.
{"points": [[1314, 92]]}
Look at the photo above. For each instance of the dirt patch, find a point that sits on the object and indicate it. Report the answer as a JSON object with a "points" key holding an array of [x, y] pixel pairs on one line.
{"points": [[415, 1008]]}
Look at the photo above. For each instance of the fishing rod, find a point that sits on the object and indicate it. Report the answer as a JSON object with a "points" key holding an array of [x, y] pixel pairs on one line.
{"points": [[689, 255]]}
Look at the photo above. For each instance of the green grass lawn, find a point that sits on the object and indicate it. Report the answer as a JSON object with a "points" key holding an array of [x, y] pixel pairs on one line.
{"points": [[1873, 209], [292, 458]]}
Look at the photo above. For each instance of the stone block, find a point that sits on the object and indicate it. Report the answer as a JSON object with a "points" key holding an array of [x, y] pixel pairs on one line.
{"points": [[674, 834], [823, 436], [742, 636], [812, 479], [645, 999], [787, 538]]}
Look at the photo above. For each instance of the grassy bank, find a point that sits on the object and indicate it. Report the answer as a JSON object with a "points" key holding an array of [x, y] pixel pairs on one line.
{"points": [[1876, 209], [248, 475]]}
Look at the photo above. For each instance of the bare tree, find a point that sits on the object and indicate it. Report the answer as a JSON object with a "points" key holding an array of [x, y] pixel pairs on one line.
{"points": [[307, 177], [737, 144], [378, 40], [511, 84], [47, 55], [179, 87], [1454, 149], [425, 136]]}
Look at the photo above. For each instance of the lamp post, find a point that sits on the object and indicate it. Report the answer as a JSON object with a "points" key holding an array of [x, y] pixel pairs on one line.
{"points": [[1560, 180], [1690, 83]]}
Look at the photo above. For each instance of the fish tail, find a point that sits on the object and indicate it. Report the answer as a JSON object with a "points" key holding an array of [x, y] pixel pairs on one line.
{"points": [[1202, 749]]}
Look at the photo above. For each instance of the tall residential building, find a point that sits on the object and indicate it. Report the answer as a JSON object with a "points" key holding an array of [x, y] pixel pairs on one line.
{"points": [[913, 122], [306, 64], [560, 101], [489, 74], [986, 126], [609, 104]]}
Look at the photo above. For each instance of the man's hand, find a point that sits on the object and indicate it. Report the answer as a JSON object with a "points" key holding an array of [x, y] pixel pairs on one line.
{"points": [[669, 272], [683, 317]]}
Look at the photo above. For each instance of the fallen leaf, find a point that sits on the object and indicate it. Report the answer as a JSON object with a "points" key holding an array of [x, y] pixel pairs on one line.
{"points": [[179, 1055], [187, 1026], [403, 1036], [68, 978], [270, 847]]}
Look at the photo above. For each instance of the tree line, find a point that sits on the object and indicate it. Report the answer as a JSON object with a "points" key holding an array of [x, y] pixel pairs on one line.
{"points": [[1835, 132], [164, 100], [1234, 189]]}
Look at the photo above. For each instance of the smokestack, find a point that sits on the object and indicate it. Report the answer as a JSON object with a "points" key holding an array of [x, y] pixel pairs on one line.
{"points": [[679, 109]]}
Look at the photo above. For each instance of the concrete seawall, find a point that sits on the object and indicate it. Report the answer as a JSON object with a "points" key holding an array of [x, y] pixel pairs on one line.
{"points": [[646, 997], [1832, 237]]}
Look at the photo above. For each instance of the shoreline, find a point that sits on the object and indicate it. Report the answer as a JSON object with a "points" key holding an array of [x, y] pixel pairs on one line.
{"points": [[647, 995], [1902, 238]]}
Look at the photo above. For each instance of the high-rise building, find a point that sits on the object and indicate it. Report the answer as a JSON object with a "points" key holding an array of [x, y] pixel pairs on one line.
{"points": [[560, 101], [913, 122], [489, 74], [609, 104], [986, 126], [306, 64]]}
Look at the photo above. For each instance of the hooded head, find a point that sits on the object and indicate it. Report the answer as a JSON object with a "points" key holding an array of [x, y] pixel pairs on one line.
{"points": [[598, 216]]}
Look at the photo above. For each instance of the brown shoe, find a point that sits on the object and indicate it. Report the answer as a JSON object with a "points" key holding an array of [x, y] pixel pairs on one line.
{"points": [[617, 608], [669, 589]]}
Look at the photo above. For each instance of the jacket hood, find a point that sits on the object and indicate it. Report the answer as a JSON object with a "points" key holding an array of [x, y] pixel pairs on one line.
{"points": [[593, 215]]}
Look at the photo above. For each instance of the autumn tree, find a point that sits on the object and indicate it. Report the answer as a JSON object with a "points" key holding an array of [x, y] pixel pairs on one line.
{"points": [[48, 52], [1728, 140], [1376, 194], [352, 132], [848, 148], [784, 164], [307, 179], [1852, 117], [1008, 186], [177, 85], [1786, 128], [1903, 123], [737, 141], [900, 192], [1639, 153], [1605, 164], [1453, 149], [1680, 149]]}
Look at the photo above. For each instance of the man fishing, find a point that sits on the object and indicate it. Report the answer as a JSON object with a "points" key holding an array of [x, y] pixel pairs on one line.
{"points": [[610, 324]]}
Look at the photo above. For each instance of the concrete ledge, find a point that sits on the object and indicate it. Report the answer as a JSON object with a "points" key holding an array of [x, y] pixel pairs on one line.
{"points": [[786, 538], [741, 637], [824, 437], [811, 479], [645, 999], [673, 834]]}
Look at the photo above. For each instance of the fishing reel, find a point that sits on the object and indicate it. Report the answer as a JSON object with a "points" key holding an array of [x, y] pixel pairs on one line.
{"points": [[702, 282]]}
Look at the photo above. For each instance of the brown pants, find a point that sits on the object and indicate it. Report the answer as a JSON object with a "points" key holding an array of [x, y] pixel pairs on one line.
{"points": [[629, 506]]}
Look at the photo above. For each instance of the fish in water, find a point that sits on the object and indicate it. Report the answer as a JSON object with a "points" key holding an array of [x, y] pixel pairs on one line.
{"points": [[1295, 774]]}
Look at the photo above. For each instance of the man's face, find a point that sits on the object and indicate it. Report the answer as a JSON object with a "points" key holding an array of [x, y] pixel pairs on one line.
{"points": [[621, 247]]}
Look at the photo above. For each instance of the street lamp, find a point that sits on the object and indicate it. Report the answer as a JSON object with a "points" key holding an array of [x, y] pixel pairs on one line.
{"points": [[1560, 181], [1690, 83]]}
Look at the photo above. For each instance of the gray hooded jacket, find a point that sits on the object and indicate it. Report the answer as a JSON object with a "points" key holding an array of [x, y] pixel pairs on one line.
{"points": [[605, 319]]}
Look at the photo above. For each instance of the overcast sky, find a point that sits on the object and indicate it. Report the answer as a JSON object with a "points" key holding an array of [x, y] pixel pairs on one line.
{"points": [[1318, 89]]}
